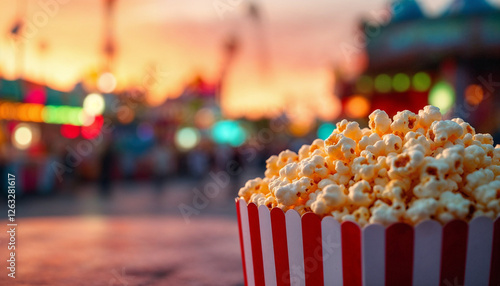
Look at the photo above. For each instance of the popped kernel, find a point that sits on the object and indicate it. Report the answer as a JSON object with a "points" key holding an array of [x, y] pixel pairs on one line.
{"points": [[380, 122]]}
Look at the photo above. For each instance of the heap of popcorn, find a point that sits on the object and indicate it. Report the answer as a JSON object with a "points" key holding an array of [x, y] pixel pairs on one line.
{"points": [[409, 169]]}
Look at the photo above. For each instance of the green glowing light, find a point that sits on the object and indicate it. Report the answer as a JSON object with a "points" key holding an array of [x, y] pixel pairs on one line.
{"points": [[421, 81], [442, 95], [401, 82], [364, 84], [383, 83]]}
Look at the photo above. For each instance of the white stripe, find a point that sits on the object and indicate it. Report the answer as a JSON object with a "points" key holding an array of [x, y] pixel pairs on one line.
{"points": [[245, 228], [332, 251], [427, 253], [295, 250], [266, 237], [479, 247], [373, 253]]}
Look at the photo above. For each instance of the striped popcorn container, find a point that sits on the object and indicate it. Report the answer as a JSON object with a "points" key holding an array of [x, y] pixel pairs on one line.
{"points": [[280, 248]]}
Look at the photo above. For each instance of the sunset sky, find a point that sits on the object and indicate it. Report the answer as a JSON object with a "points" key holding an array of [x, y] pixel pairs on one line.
{"points": [[285, 60]]}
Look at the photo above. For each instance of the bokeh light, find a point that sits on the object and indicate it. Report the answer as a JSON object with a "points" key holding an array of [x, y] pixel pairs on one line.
{"points": [[35, 112], [421, 81], [442, 95], [187, 138], [106, 83], [357, 106], [145, 131], [85, 119], [204, 118], [37, 95], [325, 130], [401, 82], [125, 115], [299, 129], [364, 84], [94, 104], [228, 132], [93, 130], [383, 83], [23, 136], [23, 112], [474, 94], [70, 131]]}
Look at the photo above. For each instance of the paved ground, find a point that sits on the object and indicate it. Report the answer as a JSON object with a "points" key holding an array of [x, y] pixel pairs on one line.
{"points": [[92, 250], [128, 198], [135, 236]]}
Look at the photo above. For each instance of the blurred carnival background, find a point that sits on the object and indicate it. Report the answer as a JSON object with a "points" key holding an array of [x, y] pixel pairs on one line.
{"points": [[150, 91], [128, 106]]}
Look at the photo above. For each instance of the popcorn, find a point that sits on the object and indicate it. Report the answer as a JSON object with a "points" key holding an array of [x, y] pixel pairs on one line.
{"points": [[444, 131], [404, 164], [256, 185], [361, 216], [409, 169], [332, 196], [275, 163], [289, 194], [452, 205], [404, 121], [343, 148], [428, 115], [422, 209], [360, 194], [383, 214], [380, 122]]}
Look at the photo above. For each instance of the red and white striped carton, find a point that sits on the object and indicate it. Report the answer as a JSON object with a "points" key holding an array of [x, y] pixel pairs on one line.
{"points": [[280, 248]]}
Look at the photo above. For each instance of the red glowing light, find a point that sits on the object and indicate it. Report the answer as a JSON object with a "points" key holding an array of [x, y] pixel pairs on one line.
{"points": [[70, 131], [93, 130]]}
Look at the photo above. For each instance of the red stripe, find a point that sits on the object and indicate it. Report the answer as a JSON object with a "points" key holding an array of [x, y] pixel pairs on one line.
{"points": [[453, 253], [241, 241], [351, 253], [278, 225], [313, 249], [399, 254], [495, 255], [258, 264]]}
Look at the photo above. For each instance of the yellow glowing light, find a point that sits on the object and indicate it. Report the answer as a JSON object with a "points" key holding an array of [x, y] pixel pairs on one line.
{"points": [[85, 119], [94, 104], [23, 137], [187, 138], [106, 82], [357, 107], [474, 94]]}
